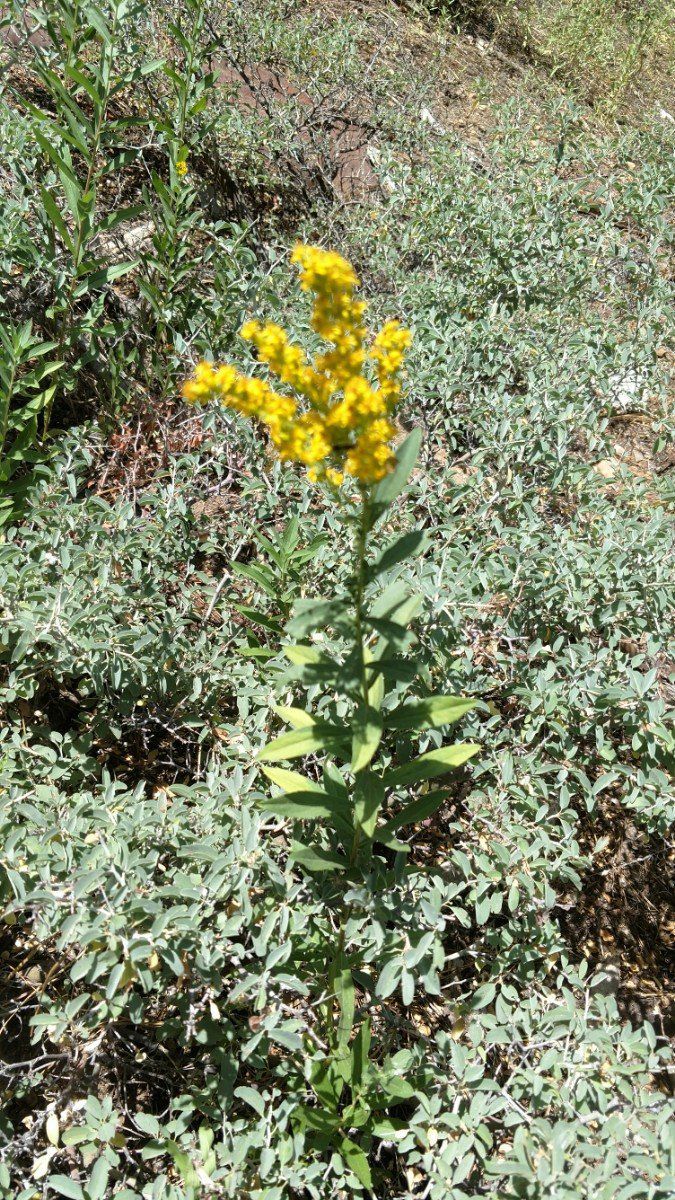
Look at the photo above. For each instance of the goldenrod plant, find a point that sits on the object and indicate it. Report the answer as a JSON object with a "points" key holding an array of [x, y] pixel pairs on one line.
{"points": [[336, 418]]}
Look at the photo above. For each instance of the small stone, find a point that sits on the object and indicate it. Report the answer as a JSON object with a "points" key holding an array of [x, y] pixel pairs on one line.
{"points": [[607, 467]]}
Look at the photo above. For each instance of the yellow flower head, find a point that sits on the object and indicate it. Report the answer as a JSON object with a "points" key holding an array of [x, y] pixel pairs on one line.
{"points": [[181, 167], [336, 421]]}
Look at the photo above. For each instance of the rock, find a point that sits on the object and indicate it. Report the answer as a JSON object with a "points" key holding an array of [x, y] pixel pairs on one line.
{"points": [[607, 467], [627, 390], [428, 118]]}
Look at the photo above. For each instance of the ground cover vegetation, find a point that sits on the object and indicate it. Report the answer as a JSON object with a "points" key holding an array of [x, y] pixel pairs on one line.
{"points": [[336, 660]]}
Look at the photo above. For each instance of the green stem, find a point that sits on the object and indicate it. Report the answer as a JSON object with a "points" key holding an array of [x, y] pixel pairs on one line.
{"points": [[359, 587]]}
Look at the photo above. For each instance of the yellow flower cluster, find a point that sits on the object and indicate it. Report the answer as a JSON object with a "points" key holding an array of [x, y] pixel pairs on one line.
{"points": [[344, 424]]}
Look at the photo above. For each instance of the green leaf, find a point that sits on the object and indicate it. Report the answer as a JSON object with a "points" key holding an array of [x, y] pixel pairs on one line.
{"points": [[297, 717], [314, 858], [258, 618], [148, 1124], [261, 576], [368, 798], [114, 980], [301, 741], [483, 996], [405, 546], [252, 1098], [334, 782], [303, 656], [100, 279], [98, 1180], [387, 1128], [63, 1185], [342, 984], [359, 1053], [304, 806], [52, 210], [391, 842], [84, 82], [393, 485], [367, 735], [413, 813], [388, 978], [357, 1162], [376, 684], [397, 669], [268, 546], [431, 764], [95, 17], [429, 713], [68, 178], [110, 221], [327, 1080], [395, 607], [291, 781], [394, 595], [396, 1087], [319, 1120], [314, 614]]}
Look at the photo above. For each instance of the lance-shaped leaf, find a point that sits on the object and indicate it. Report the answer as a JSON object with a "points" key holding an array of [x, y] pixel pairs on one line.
{"points": [[394, 595], [259, 575], [315, 858], [310, 663], [296, 717], [333, 780], [302, 741], [357, 1162], [361, 1051], [100, 279], [395, 669], [429, 713], [368, 797], [392, 485], [429, 765], [304, 800], [290, 781], [391, 614], [258, 618], [303, 806], [342, 984], [405, 546], [375, 681], [412, 814], [315, 614], [366, 737], [302, 656]]}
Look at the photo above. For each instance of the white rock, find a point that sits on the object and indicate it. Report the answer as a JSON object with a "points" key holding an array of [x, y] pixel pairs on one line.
{"points": [[627, 389], [428, 117]]}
